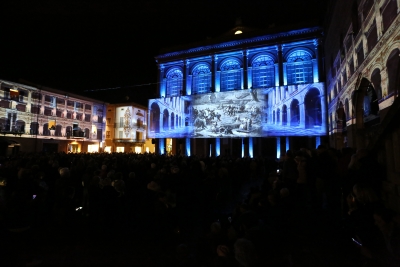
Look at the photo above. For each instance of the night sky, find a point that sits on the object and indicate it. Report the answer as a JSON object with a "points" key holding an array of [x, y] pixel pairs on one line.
{"points": [[83, 46]]}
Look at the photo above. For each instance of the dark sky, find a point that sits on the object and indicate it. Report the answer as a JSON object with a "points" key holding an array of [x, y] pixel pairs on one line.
{"points": [[82, 46]]}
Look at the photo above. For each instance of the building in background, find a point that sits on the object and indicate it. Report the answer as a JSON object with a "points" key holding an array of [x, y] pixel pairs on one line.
{"points": [[34, 119], [362, 47], [126, 129], [225, 95]]}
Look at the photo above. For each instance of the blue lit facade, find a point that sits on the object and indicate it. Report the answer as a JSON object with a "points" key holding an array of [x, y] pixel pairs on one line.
{"points": [[286, 66]]}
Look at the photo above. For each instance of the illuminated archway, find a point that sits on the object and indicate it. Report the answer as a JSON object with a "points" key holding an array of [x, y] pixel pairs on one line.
{"points": [[284, 115], [172, 120], [294, 113], [165, 120], [313, 111], [155, 118]]}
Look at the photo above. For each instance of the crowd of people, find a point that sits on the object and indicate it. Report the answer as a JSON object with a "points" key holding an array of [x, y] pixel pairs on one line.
{"points": [[204, 211]]}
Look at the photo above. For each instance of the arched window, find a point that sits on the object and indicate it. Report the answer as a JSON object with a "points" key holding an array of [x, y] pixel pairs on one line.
{"points": [[377, 82], [230, 75], [393, 68], [299, 67], [367, 7], [201, 82], [263, 72], [347, 109], [174, 82]]}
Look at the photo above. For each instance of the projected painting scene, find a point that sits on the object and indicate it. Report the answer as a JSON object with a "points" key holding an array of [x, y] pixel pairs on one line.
{"points": [[296, 110]]}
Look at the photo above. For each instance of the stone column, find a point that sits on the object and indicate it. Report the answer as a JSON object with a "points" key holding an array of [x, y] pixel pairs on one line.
{"points": [[185, 74], [214, 60], [378, 19], [161, 121], [318, 51], [280, 65], [245, 54], [285, 82], [29, 104], [302, 115], [324, 109], [161, 81], [217, 75]]}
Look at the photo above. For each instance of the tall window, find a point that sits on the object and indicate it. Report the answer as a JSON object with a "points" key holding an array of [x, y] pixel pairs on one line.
{"points": [[372, 38], [231, 77], [201, 82], [263, 72], [299, 67], [389, 13], [360, 55], [174, 82], [367, 7]]}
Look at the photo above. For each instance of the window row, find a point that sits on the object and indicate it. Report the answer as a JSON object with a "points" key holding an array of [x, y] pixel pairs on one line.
{"points": [[299, 69]]}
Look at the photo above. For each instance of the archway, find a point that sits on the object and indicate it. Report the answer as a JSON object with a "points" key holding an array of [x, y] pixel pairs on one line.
{"points": [[34, 128], [284, 115], [393, 70], [278, 115], [58, 130], [68, 131], [155, 118], [172, 120], [340, 118], [165, 120], [273, 117], [313, 112], [294, 113], [20, 126], [377, 82], [365, 104]]}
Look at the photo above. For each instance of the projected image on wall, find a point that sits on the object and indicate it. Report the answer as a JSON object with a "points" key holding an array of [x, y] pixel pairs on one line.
{"points": [[228, 114], [297, 110], [170, 117]]}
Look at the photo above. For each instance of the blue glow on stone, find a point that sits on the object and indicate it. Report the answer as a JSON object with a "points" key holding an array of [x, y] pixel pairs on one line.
{"points": [[162, 146], [287, 143], [251, 147], [317, 141], [242, 148], [278, 147], [187, 147], [217, 147]]}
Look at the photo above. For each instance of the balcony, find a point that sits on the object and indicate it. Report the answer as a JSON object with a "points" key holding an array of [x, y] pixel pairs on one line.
{"points": [[122, 140]]}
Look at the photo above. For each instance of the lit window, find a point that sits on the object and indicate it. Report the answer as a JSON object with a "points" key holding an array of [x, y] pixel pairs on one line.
{"points": [[231, 77], [263, 72], [174, 82], [201, 82], [299, 67]]}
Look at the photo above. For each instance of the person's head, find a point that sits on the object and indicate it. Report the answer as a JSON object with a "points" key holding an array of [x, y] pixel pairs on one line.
{"points": [[284, 192], [215, 228], [245, 252], [119, 186], [364, 194], [383, 217], [64, 173]]}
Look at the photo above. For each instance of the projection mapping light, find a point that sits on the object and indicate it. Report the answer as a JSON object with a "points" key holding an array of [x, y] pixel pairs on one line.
{"points": [[295, 110]]}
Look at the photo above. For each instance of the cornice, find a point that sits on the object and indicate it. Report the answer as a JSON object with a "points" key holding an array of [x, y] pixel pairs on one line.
{"points": [[232, 44]]}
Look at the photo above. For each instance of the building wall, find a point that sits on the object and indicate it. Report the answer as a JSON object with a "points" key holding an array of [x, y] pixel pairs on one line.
{"points": [[362, 49], [126, 129], [45, 116], [285, 66]]}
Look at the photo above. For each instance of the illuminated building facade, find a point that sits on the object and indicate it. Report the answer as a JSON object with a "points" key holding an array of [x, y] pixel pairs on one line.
{"points": [[34, 120], [223, 96], [126, 129], [362, 49]]}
